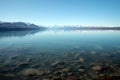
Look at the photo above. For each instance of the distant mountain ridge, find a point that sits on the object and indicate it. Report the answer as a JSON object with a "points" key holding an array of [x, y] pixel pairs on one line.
{"points": [[8, 26], [19, 26], [67, 28]]}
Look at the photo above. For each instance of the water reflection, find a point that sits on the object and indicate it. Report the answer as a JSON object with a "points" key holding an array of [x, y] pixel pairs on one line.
{"points": [[18, 33]]}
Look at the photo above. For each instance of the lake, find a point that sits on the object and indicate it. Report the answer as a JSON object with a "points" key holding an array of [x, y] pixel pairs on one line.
{"points": [[60, 55]]}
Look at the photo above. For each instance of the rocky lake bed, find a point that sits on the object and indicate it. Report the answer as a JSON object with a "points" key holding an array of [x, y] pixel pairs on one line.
{"points": [[81, 65]]}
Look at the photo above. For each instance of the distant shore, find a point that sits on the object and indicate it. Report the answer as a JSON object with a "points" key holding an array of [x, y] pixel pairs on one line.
{"points": [[18, 26]]}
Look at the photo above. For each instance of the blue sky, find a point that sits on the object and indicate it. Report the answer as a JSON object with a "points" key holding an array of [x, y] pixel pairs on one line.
{"points": [[62, 12]]}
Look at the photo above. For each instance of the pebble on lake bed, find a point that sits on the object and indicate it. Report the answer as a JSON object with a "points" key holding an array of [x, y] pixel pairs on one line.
{"points": [[14, 57], [65, 70], [97, 67], [81, 60], [30, 71], [58, 65], [71, 78], [23, 64]]}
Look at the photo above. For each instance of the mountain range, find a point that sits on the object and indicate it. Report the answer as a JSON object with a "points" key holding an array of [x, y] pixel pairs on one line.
{"points": [[19, 26], [8, 26]]}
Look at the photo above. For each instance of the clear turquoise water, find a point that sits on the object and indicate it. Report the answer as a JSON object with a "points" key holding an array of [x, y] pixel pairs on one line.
{"points": [[36, 50], [58, 42]]}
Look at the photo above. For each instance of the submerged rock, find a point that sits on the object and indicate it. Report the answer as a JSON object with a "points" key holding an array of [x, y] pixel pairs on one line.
{"points": [[97, 67], [82, 60], [23, 64], [30, 71], [58, 65], [71, 78], [93, 52], [77, 55], [65, 70], [81, 70], [57, 73], [28, 60], [14, 57]]}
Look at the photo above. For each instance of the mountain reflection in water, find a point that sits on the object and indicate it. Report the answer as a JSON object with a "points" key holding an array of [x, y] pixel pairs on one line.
{"points": [[18, 33]]}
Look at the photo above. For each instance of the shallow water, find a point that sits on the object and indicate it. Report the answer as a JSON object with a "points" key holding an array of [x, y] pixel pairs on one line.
{"points": [[39, 50]]}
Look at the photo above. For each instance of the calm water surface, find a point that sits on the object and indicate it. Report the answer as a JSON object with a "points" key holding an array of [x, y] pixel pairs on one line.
{"points": [[40, 51], [59, 42]]}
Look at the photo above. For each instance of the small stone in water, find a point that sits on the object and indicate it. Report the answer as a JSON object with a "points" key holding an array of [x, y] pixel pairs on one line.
{"points": [[30, 71], [97, 67], [24, 64], [81, 60], [81, 70], [65, 70], [71, 78], [14, 57]]}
